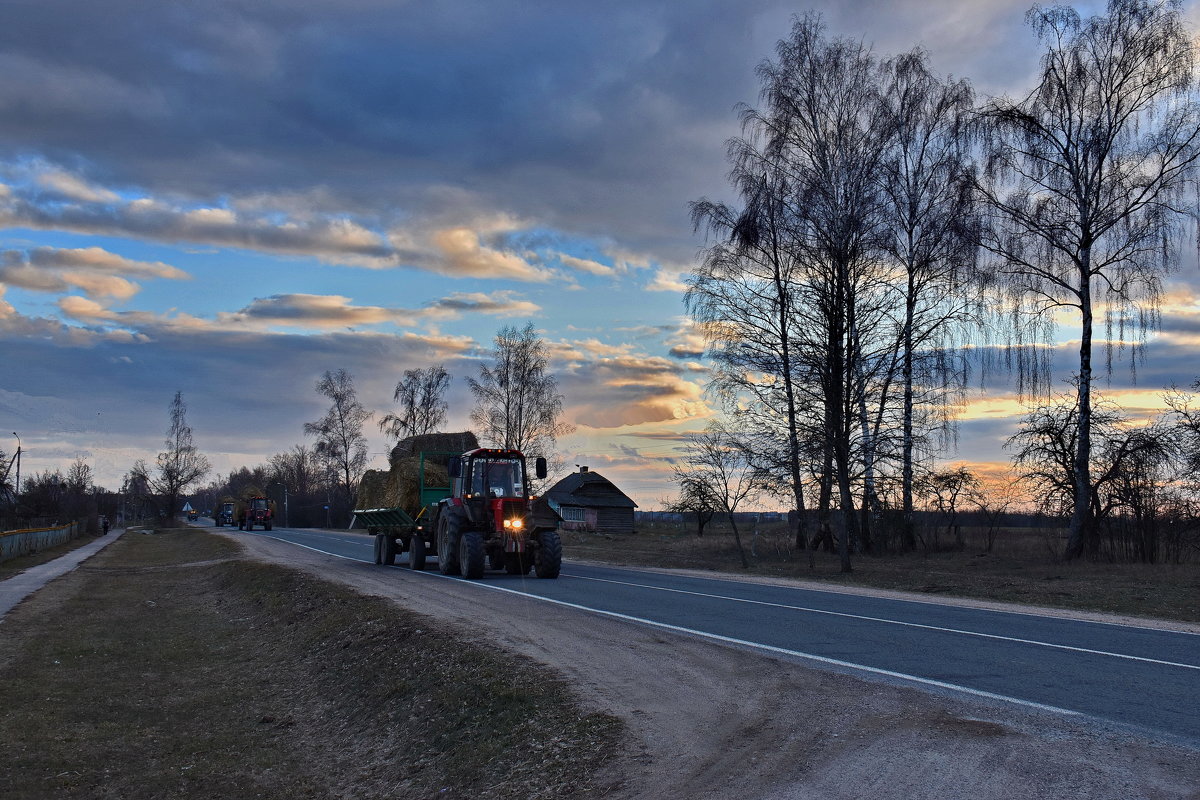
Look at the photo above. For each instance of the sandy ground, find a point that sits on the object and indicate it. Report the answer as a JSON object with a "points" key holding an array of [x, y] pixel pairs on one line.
{"points": [[712, 721]]}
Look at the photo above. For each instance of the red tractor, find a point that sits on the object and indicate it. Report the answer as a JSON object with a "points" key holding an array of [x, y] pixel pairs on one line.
{"points": [[490, 515], [486, 516], [256, 511]]}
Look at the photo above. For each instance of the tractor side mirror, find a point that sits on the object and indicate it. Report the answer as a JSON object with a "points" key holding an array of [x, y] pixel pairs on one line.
{"points": [[454, 467], [539, 467]]}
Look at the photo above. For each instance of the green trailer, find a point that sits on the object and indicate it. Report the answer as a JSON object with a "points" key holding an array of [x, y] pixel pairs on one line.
{"points": [[397, 530]]}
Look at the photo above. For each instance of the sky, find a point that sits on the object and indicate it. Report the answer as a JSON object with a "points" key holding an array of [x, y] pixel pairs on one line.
{"points": [[228, 198]]}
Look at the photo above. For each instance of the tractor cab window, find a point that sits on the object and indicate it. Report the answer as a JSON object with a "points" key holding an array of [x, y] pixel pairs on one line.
{"points": [[260, 503], [497, 477]]}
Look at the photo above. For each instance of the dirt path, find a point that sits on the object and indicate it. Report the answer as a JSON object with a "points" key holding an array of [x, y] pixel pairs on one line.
{"points": [[709, 721]]}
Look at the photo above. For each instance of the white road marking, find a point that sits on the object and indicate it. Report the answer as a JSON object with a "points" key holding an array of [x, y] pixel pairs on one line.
{"points": [[895, 622]]}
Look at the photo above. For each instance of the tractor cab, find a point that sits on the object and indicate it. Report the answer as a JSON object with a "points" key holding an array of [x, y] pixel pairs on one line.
{"points": [[493, 487]]}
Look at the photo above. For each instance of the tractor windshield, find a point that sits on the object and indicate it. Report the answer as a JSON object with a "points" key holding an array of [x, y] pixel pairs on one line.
{"points": [[260, 503], [498, 477]]}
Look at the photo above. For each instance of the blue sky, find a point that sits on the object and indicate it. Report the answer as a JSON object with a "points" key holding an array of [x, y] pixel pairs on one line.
{"points": [[229, 199]]}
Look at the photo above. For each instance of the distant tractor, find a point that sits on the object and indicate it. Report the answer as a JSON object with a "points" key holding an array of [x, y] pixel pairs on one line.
{"points": [[255, 511], [225, 513], [485, 517]]}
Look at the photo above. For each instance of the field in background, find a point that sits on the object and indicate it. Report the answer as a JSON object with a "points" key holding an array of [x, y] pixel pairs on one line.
{"points": [[1021, 568]]}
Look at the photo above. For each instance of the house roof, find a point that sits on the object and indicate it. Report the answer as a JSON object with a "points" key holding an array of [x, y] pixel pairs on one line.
{"points": [[589, 489]]}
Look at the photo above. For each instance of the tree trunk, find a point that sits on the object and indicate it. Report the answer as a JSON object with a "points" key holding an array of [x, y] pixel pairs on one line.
{"points": [[870, 506], [1080, 531], [908, 539], [837, 430], [737, 537]]}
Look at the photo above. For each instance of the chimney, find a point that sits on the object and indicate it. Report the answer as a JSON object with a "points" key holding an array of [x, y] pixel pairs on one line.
{"points": [[583, 469]]}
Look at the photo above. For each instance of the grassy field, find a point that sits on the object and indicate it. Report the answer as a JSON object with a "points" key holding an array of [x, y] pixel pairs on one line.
{"points": [[167, 666], [1020, 569]]}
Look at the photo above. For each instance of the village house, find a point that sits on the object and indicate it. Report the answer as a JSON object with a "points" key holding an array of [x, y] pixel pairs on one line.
{"points": [[587, 501]]}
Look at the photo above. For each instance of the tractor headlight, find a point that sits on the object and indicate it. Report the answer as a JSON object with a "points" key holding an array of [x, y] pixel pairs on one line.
{"points": [[514, 524]]}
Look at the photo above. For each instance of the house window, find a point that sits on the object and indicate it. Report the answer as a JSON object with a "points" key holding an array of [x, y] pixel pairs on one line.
{"points": [[572, 513]]}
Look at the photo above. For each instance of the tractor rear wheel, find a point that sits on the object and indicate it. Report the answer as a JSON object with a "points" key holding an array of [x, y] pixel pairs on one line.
{"points": [[547, 560], [447, 544], [470, 554], [416, 551]]}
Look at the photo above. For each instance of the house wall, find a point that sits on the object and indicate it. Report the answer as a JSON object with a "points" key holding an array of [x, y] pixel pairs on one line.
{"points": [[602, 520]]}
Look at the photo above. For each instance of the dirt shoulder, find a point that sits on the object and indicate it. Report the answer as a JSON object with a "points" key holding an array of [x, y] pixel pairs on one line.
{"points": [[711, 721]]}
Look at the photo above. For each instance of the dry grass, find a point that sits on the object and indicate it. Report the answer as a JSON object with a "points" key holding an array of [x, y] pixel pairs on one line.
{"points": [[169, 667], [1020, 569]]}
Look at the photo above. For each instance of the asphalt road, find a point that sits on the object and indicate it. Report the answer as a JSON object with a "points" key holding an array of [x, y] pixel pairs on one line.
{"points": [[1142, 678]]}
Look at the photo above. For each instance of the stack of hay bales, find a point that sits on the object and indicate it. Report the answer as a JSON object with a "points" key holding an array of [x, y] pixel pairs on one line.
{"points": [[375, 492], [400, 486], [451, 443]]}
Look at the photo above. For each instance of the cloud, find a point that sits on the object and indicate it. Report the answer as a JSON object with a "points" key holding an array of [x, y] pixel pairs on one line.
{"points": [[456, 250], [332, 311], [628, 390], [64, 185], [464, 254], [310, 310], [501, 304], [95, 271], [668, 279], [586, 265]]}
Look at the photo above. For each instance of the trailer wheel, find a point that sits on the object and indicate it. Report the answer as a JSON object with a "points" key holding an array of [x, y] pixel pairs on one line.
{"points": [[416, 551], [378, 548], [470, 554], [517, 563], [267, 527], [388, 550], [547, 559], [447, 544]]}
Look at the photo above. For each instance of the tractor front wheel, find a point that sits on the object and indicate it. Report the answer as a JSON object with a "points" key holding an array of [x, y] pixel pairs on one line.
{"points": [[547, 559], [470, 554]]}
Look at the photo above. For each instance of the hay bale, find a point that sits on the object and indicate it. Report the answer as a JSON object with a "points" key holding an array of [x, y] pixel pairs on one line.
{"points": [[404, 480], [434, 443], [375, 491]]}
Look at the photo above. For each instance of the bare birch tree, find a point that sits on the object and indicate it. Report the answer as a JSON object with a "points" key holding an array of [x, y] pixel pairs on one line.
{"points": [[340, 440], [823, 122], [742, 296], [1084, 180], [517, 402], [931, 214], [421, 394], [718, 469], [179, 466]]}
